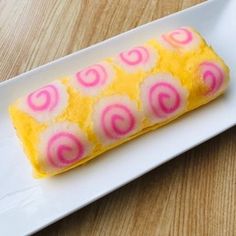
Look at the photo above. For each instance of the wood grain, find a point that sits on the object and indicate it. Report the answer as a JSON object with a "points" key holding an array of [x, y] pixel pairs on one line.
{"points": [[194, 194]]}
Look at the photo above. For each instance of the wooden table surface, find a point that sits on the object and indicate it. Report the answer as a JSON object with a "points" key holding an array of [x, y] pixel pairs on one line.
{"points": [[194, 194]]}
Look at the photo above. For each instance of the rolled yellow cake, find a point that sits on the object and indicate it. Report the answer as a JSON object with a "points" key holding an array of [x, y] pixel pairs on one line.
{"points": [[74, 119]]}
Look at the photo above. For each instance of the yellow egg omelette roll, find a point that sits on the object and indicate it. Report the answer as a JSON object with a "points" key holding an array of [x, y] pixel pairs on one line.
{"points": [[74, 119]]}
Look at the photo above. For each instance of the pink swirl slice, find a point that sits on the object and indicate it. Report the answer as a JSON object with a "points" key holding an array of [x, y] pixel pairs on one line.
{"points": [[213, 75], [94, 78], [64, 148], [163, 97], [45, 98], [115, 118], [63, 145], [45, 103], [138, 58], [183, 38]]}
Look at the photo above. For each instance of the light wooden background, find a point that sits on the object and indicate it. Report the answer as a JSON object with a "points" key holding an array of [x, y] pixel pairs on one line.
{"points": [[194, 194]]}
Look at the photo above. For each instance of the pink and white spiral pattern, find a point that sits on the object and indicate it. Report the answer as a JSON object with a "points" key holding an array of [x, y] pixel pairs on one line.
{"points": [[63, 145], [115, 118], [45, 103], [183, 38], [93, 79], [138, 58], [163, 97], [213, 76]]}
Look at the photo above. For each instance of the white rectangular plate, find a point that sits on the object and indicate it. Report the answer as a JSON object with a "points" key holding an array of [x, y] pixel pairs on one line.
{"points": [[27, 204]]}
